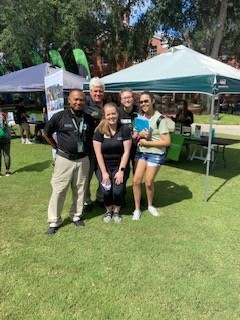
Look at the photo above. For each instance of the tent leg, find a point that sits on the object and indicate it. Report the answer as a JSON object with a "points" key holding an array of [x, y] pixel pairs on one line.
{"points": [[208, 159]]}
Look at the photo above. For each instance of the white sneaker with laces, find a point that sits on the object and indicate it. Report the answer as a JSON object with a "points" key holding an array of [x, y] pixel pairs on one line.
{"points": [[153, 211], [136, 215]]}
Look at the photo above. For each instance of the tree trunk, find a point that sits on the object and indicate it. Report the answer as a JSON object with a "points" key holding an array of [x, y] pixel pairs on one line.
{"points": [[220, 29]]}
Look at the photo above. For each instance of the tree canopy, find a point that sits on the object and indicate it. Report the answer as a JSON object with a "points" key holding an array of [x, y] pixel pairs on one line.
{"points": [[211, 27]]}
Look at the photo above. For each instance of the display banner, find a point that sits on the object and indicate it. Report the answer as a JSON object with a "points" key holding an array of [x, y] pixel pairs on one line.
{"points": [[54, 93]]}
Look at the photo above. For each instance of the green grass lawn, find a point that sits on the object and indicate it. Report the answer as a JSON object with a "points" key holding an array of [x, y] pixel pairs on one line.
{"points": [[184, 264], [224, 119]]}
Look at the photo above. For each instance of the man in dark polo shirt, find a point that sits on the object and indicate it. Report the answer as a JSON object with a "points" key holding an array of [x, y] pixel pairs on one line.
{"points": [[94, 105], [74, 130]]}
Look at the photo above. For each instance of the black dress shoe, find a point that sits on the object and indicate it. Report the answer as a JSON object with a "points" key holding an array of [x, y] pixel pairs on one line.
{"points": [[79, 223], [52, 230], [100, 204]]}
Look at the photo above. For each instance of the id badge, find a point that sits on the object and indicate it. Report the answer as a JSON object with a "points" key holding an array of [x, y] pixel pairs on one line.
{"points": [[80, 146]]}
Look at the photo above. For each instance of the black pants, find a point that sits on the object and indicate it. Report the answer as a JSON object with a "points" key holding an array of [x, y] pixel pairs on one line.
{"points": [[5, 152], [115, 195]]}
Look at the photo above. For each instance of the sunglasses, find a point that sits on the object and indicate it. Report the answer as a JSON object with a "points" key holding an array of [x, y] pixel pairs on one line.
{"points": [[144, 101]]}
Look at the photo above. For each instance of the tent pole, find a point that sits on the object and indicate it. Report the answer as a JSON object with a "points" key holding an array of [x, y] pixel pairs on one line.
{"points": [[209, 147]]}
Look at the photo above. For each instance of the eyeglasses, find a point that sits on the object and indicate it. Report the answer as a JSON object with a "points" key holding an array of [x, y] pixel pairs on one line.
{"points": [[144, 101]]}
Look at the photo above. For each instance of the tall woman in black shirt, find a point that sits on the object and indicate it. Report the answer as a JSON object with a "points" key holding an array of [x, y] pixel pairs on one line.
{"points": [[112, 143]]}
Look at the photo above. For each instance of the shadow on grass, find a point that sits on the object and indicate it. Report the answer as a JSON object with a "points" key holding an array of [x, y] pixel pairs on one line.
{"points": [[35, 167], [231, 170], [166, 193]]}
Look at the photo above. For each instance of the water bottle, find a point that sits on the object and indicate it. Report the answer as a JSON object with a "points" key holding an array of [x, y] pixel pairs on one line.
{"points": [[107, 187]]}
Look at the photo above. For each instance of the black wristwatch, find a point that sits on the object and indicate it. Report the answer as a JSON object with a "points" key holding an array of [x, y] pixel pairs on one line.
{"points": [[122, 169]]}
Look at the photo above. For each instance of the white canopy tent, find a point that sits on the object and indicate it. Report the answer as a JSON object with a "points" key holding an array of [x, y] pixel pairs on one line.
{"points": [[179, 70], [32, 79]]}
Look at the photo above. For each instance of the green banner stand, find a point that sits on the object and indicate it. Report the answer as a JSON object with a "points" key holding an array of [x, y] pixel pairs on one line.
{"points": [[175, 147], [1, 71], [35, 58], [16, 61], [56, 59], [82, 63]]}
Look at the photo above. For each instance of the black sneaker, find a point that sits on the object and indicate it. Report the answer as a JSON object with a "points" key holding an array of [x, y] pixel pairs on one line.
{"points": [[100, 204], [79, 223], [52, 230], [87, 208]]}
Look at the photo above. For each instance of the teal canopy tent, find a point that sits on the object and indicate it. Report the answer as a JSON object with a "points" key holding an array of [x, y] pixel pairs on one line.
{"points": [[179, 70]]}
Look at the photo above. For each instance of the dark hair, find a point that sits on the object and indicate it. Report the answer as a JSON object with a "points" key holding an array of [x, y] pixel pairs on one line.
{"points": [[76, 89], [184, 102], [150, 94]]}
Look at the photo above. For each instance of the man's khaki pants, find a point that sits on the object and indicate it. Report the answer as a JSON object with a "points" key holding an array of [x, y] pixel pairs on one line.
{"points": [[75, 174]]}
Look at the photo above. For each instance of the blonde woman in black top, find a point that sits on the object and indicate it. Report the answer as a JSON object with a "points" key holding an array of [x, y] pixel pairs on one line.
{"points": [[112, 144]]}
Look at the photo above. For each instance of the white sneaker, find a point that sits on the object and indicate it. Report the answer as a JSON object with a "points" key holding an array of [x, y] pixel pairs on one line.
{"points": [[136, 214], [107, 217], [116, 217], [153, 211], [28, 142], [23, 140]]}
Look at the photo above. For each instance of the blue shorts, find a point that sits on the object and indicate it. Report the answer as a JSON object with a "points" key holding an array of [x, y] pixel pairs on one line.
{"points": [[152, 159]]}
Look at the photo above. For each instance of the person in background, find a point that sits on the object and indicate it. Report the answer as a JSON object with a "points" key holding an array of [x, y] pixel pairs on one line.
{"points": [[127, 112], [112, 143], [94, 105], [22, 120], [151, 153], [44, 114], [5, 144], [74, 130], [185, 118]]}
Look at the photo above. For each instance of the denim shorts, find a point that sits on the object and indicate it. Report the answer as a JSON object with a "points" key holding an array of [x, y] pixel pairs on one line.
{"points": [[152, 159]]}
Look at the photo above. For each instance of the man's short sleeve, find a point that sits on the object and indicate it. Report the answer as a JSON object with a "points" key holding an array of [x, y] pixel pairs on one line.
{"points": [[51, 126]]}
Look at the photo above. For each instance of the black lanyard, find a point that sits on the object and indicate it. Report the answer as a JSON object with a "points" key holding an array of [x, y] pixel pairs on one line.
{"points": [[79, 129]]}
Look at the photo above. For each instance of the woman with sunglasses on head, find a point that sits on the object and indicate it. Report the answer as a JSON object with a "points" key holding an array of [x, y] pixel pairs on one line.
{"points": [[151, 153]]}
